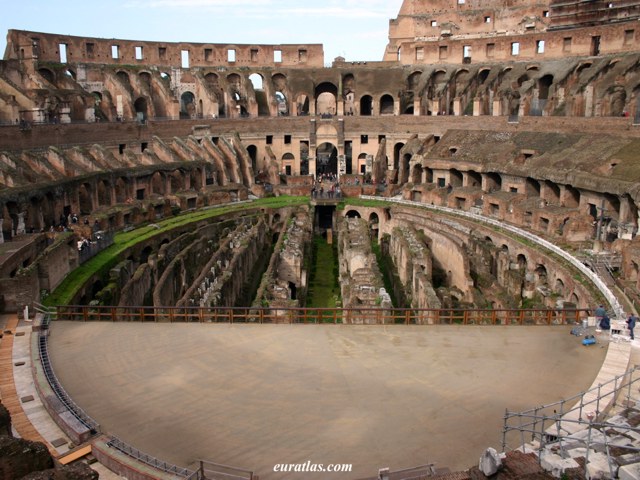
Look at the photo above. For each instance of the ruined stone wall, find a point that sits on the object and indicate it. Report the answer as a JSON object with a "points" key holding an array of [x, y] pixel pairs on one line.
{"points": [[45, 47], [360, 278]]}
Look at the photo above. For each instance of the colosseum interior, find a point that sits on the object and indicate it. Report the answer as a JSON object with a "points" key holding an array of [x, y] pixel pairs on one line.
{"points": [[485, 172]]}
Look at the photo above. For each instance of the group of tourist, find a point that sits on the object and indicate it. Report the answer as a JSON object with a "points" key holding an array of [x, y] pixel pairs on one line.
{"points": [[604, 322]]}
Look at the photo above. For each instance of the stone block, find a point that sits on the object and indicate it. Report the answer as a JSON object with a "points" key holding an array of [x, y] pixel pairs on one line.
{"points": [[27, 398], [556, 465], [599, 466], [629, 472]]}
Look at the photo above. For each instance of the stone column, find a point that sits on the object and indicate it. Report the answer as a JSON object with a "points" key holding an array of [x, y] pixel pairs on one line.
{"points": [[416, 107], [21, 229]]}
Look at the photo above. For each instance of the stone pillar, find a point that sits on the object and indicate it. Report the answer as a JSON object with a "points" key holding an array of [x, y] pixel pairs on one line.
{"points": [[1, 234], [477, 105], [21, 229], [457, 107], [416, 107], [497, 107]]}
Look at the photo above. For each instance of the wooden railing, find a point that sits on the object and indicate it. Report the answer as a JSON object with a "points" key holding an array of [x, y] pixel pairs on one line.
{"points": [[367, 316]]}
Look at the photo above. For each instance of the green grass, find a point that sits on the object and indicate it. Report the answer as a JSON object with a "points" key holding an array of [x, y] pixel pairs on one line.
{"points": [[123, 241], [324, 290]]}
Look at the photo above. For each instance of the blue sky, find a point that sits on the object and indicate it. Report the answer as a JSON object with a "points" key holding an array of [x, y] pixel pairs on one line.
{"points": [[355, 29]]}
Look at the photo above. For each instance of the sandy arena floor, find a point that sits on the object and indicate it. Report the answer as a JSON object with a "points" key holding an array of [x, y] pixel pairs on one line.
{"points": [[254, 396]]}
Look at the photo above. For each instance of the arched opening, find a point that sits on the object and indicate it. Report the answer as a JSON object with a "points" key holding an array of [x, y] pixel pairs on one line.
{"points": [[374, 226], [532, 187], [521, 260], [571, 197], [140, 106], [187, 105], [483, 75], [124, 79], [362, 164], [387, 105], [252, 150], [104, 194], [326, 159], [559, 287], [144, 255], [281, 104], [353, 214], [288, 163], [543, 86], [416, 174], [474, 179], [121, 190], [455, 178], [84, 199], [177, 181], [493, 182], [396, 155], [326, 94], [257, 81], [406, 162], [552, 192], [260, 95], [47, 75], [157, 184], [366, 105], [302, 105], [145, 79]]}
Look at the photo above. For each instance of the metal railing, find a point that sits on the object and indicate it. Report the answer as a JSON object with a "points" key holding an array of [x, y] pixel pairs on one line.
{"points": [[595, 279], [554, 422], [299, 315], [217, 471], [55, 385], [147, 459]]}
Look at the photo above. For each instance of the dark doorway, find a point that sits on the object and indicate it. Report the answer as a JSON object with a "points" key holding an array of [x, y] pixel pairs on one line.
{"points": [[595, 45], [326, 159]]}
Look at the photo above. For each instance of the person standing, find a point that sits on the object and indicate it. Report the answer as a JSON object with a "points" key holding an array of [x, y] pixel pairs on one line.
{"points": [[600, 313], [631, 323]]}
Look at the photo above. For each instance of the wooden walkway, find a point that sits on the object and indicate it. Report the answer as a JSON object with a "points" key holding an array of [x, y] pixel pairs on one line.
{"points": [[8, 393]]}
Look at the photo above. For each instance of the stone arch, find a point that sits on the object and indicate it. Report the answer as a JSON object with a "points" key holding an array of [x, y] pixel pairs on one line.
{"points": [[362, 163], [366, 105], [396, 155], [413, 81], [145, 78], [121, 190], [257, 81], [326, 158], [522, 262], [176, 180], [124, 79], [455, 177], [85, 200], [326, 95], [288, 163], [559, 287], [140, 106], [483, 74], [552, 192], [544, 85], [211, 79], [252, 150], [532, 187], [47, 74], [187, 105], [302, 105], [281, 103], [374, 225], [352, 214], [474, 179], [145, 253], [493, 182], [571, 197], [157, 184], [387, 105], [416, 174], [103, 193], [617, 101], [541, 275]]}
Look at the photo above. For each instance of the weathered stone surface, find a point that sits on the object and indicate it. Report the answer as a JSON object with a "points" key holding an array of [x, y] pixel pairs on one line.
{"points": [[77, 471], [20, 457], [5, 421]]}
